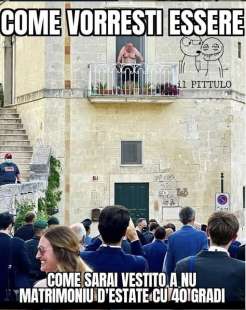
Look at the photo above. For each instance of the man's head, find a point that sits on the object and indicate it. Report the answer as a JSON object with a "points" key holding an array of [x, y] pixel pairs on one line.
{"points": [[160, 233], [6, 221], [169, 231], [8, 157], [153, 226], [141, 224], [113, 222], [79, 230], [152, 221], [204, 227], [30, 217], [222, 228], [87, 224], [39, 228], [187, 215], [129, 46], [53, 221], [171, 225]]}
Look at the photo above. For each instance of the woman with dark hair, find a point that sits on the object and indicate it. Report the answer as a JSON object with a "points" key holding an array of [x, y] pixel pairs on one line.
{"points": [[59, 251]]}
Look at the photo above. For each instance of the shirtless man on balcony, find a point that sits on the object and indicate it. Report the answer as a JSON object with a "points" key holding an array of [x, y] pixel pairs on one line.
{"points": [[129, 54], [128, 57]]}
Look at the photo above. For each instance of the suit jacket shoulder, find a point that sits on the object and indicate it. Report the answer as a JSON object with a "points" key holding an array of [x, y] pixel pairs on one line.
{"points": [[107, 259], [217, 270]]}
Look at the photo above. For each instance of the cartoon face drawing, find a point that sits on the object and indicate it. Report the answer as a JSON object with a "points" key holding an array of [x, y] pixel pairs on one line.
{"points": [[191, 46], [212, 49]]}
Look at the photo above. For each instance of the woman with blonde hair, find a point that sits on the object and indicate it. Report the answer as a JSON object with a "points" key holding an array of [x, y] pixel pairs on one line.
{"points": [[59, 251]]}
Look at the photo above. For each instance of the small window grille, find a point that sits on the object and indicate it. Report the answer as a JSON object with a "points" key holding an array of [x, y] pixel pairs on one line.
{"points": [[131, 152], [239, 50], [243, 197]]}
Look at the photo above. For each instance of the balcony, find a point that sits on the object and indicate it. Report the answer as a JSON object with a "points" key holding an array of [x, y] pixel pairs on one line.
{"points": [[150, 83]]}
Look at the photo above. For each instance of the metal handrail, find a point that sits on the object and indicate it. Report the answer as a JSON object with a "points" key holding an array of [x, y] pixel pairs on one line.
{"points": [[114, 79]]}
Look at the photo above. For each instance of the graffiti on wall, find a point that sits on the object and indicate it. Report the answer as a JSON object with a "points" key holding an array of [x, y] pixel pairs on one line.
{"points": [[201, 55], [182, 192], [167, 193]]}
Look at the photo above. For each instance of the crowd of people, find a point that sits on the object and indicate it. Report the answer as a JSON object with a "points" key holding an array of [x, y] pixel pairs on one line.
{"points": [[39, 247]]}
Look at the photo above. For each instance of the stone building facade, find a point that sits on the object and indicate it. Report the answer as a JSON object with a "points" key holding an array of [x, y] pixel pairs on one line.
{"points": [[187, 141]]}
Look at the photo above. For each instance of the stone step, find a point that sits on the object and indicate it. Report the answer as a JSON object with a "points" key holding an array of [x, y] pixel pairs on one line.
{"points": [[15, 137], [23, 167], [12, 132], [10, 126], [21, 135], [8, 110], [17, 154], [8, 120], [14, 142], [22, 160], [25, 175], [9, 115], [14, 148]]}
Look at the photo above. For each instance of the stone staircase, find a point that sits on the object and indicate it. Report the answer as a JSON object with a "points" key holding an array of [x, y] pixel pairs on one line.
{"points": [[13, 139]]}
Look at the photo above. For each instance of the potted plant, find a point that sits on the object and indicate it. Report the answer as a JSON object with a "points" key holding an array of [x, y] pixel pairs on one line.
{"points": [[171, 89], [108, 92], [167, 89], [126, 90], [136, 90], [102, 89], [158, 89], [93, 90], [147, 88]]}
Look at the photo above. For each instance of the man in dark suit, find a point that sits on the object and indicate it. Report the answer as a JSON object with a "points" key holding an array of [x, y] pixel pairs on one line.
{"points": [[12, 253], [96, 242], [185, 242], [32, 249], [155, 252], [215, 268], [113, 226], [234, 248], [149, 234], [87, 224], [26, 232], [141, 228], [241, 252]]}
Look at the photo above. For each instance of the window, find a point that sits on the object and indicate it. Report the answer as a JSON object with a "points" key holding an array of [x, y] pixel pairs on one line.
{"points": [[131, 152], [239, 50], [243, 197], [138, 42], [8, 69]]}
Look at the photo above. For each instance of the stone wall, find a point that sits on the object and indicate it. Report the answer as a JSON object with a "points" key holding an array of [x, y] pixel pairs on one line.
{"points": [[28, 56], [186, 144], [238, 162], [187, 140], [13, 194], [44, 122]]}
